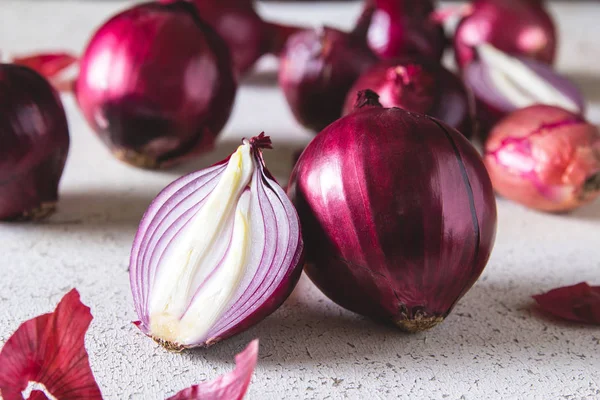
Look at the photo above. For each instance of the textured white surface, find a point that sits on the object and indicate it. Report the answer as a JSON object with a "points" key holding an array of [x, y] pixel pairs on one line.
{"points": [[492, 346]]}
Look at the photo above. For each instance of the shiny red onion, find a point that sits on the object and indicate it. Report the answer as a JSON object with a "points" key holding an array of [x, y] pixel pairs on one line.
{"points": [[419, 85], [34, 143], [546, 158], [248, 36], [502, 84], [317, 69], [518, 27], [156, 84], [216, 252], [403, 27], [398, 214]]}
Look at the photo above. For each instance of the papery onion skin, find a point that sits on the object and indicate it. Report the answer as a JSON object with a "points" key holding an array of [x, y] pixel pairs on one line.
{"points": [[517, 27], [398, 214], [34, 143], [175, 207], [545, 158], [316, 70], [419, 85], [491, 106], [404, 27], [248, 36], [154, 103]]}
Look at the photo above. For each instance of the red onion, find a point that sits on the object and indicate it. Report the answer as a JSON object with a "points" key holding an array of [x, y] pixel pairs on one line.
{"points": [[402, 27], [156, 84], [502, 84], [517, 27], [398, 214], [246, 34], [419, 85], [34, 143], [317, 69], [217, 251], [546, 158]]}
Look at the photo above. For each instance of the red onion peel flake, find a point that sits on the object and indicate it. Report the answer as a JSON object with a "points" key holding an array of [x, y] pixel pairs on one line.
{"points": [[577, 303]]}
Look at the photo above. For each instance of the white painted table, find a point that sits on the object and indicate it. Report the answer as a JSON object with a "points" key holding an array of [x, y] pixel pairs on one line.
{"points": [[492, 346]]}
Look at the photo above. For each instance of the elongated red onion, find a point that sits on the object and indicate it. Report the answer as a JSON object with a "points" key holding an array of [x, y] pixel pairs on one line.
{"points": [[517, 27], [502, 84], [419, 85], [156, 84], [403, 27], [317, 69], [217, 251], [398, 214], [248, 36], [546, 158], [34, 143]]}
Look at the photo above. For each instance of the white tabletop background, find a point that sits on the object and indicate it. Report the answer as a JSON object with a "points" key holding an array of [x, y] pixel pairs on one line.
{"points": [[491, 346]]}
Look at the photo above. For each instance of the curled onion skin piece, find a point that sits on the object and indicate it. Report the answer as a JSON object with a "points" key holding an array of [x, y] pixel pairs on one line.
{"points": [[398, 214], [217, 251], [152, 103], [34, 144], [545, 158], [577, 303], [317, 68], [517, 27], [420, 85], [231, 386], [50, 350]]}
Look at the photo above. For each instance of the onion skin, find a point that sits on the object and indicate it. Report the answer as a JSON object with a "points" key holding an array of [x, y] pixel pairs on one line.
{"points": [[152, 103], [34, 143], [398, 214], [545, 158], [317, 69], [418, 85], [517, 27], [246, 34], [404, 27]]}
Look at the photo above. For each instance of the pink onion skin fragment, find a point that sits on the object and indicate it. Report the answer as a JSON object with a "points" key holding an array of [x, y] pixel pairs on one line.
{"points": [[34, 144], [545, 158], [50, 349], [154, 104], [231, 386], [398, 215], [577, 303], [517, 27]]}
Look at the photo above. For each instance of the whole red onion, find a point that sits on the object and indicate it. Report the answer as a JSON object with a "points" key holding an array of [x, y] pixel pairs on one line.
{"points": [[34, 143], [419, 85], [403, 27], [156, 84], [517, 27], [546, 158], [398, 214], [248, 36], [317, 69]]}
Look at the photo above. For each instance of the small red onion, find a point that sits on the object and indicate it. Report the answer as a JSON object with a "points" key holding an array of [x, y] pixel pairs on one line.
{"points": [[34, 143], [419, 85], [248, 36], [398, 214], [546, 158], [217, 251], [317, 69], [502, 84], [156, 84], [403, 27], [518, 27]]}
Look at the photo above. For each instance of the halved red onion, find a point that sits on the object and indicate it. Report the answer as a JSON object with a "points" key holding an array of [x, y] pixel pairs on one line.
{"points": [[398, 214], [420, 85], [217, 251], [502, 83], [47, 353], [231, 386]]}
